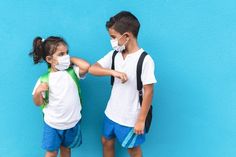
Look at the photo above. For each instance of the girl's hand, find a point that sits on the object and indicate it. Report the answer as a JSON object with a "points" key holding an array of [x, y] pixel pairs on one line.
{"points": [[42, 88], [120, 75], [139, 127], [38, 98]]}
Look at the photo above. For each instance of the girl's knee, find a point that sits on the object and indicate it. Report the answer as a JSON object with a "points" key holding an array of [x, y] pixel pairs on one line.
{"points": [[51, 154]]}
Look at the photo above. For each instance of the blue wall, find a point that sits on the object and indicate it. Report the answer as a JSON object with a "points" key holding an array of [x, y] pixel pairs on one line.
{"points": [[192, 42]]}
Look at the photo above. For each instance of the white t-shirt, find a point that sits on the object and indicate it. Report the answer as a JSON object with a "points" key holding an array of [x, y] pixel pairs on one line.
{"points": [[123, 106], [63, 110]]}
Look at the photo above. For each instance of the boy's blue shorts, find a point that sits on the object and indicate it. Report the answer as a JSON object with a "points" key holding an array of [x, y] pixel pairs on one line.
{"points": [[125, 135], [54, 138]]}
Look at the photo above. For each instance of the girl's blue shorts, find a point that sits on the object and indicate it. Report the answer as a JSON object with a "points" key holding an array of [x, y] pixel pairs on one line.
{"points": [[54, 138]]}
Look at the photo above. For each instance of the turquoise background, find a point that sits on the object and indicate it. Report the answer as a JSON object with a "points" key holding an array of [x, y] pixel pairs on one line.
{"points": [[193, 43]]}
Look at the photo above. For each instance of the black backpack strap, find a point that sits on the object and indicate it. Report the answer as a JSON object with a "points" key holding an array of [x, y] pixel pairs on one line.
{"points": [[139, 72], [113, 65]]}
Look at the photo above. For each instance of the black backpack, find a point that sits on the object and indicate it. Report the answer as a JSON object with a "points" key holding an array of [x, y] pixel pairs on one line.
{"points": [[139, 86]]}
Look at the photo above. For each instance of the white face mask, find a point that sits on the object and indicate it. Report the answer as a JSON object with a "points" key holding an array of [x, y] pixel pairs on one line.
{"points": [[116, 46], [63, 63]]}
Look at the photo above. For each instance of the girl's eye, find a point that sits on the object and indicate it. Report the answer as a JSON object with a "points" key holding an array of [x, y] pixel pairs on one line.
{"points": [[61, 54]]}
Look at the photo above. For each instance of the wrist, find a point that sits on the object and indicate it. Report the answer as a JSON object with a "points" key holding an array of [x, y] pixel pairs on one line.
{"points": [[111, 72], [71, 59]]}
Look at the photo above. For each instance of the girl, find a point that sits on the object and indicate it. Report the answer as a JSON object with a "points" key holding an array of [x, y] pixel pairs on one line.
{"points": [[57, 92]]}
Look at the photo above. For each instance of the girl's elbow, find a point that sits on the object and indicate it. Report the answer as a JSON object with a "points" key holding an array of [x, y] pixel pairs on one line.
{"points": [[91, 69], [87, 66], [37, 102]]}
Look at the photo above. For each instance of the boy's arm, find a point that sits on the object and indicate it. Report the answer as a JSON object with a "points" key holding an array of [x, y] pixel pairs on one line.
{"points": [[82, 64], [147, 100], [98, 70], [37, 97]]}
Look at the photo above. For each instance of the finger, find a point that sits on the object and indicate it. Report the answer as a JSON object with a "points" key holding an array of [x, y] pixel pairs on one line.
{"points": [[45, 87], [123, 78], [137, 132], [142, 132], [126, 77]]}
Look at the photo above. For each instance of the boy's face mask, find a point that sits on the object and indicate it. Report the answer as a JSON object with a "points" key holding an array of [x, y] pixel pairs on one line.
{"points": [[115, 44], [63, 62]]}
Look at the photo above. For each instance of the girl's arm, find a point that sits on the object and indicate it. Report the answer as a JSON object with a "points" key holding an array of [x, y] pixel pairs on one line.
{"points": [[38, 98], [82, 64]]}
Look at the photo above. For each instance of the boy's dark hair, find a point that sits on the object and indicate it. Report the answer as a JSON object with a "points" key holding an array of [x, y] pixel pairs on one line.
{"points": [[42, 49], [123, 22]]}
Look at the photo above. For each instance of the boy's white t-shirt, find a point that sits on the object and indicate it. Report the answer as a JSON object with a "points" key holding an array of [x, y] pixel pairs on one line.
{"points": [[123, 106], [63, 110]]}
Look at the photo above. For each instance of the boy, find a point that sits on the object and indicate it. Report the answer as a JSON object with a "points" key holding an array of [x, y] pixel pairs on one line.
{"points": [[124, 116]]}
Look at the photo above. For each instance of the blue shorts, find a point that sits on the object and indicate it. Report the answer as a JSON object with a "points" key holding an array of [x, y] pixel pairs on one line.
{"points": [[54, 138], [125, 135]]}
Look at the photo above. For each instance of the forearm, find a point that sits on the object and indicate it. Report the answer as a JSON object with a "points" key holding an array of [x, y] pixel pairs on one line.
{"points": [[82, 64], [38, 98], [97, 70], [147, 101]]}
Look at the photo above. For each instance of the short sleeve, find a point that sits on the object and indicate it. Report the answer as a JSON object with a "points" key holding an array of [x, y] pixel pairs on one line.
{"points": [[148, 71], [77, 70], [106, 61], [36, 86]]}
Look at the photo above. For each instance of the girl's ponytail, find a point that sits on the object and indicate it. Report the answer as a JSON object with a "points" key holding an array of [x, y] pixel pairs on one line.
{"points": [[37, 51], [42, 49]]}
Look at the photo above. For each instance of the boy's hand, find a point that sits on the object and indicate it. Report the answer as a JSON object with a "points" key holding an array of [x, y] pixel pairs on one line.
{"points": [[139, 127], [122, 76], [42, 88]]}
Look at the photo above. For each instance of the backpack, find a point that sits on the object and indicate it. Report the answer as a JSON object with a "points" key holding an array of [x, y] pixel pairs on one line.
{"points": [[45, 78], [139, 85]]}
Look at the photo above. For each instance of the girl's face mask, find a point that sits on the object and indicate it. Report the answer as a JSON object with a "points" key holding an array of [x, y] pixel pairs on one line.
{"points": [[63, 62]]}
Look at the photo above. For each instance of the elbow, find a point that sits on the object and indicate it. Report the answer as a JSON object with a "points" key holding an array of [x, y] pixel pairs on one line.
{"points": [[37, 102], [151, 92], [91, 69], [87, 66]]}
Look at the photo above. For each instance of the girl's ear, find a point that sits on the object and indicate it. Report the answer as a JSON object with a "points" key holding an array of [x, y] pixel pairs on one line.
{"points": [[49, 59]]}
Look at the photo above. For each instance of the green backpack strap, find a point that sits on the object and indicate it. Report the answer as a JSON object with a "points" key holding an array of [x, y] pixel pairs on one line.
{"points": [[44, 79], [76, 79]]}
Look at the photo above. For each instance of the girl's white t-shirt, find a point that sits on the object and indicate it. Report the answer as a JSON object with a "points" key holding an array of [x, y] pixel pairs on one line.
{"points": [[123, 106], [63, 110]]}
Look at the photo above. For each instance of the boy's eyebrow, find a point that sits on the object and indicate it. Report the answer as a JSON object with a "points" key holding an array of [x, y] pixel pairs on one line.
{"points": [[113, 36]]}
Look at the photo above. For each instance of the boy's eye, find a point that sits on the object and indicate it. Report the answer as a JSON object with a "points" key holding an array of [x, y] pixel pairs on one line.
{"points": [[113, 37]]}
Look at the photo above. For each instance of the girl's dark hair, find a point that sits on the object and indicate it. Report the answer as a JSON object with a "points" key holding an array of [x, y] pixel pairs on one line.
{"points": [[43, 48], [123, 22]]}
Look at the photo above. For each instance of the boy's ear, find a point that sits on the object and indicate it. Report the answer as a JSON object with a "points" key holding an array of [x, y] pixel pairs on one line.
{"points": [[128, 35], [49, 59]]}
